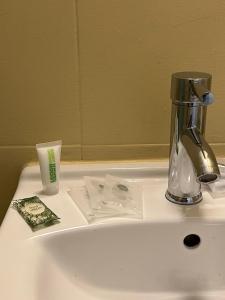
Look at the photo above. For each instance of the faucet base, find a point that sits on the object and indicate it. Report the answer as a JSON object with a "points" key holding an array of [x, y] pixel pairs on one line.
{"points": [[186, 200]]}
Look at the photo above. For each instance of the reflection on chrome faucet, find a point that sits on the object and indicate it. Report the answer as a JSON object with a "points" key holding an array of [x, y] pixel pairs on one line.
{"points": [[192, 161]]}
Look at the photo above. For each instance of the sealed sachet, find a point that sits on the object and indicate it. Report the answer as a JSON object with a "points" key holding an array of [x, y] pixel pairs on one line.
{"points": [[81, 198], [123, 195], [95, 190], [36, 214], [217, 188], [108, 197]]}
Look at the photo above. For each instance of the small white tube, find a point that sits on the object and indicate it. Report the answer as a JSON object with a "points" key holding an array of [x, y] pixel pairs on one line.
{"points": [[49, 160]]}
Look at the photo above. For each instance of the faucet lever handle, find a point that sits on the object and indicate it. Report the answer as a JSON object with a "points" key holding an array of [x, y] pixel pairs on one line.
{"points": [[191, 87], [203, 94]]}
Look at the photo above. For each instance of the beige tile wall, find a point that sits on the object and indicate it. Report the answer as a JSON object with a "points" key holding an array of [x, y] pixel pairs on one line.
{"points": [[38, 84], [96, 74]]}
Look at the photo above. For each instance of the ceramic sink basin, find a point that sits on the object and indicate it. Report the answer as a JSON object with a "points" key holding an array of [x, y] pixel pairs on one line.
{"points": [[174, 252], [138, 261]]}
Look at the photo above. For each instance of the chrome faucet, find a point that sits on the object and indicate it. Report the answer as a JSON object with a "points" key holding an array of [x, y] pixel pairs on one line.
{"points": [[192, 161]]}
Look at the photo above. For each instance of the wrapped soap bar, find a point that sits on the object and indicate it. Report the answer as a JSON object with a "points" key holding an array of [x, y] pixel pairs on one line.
{"points": [[35, 213]]}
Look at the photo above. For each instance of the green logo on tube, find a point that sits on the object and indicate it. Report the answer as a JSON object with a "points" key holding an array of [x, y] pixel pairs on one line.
{"points": [[52, 165]]}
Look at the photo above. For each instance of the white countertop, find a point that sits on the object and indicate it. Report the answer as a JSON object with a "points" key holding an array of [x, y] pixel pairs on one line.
{"points": [[151, 175]]}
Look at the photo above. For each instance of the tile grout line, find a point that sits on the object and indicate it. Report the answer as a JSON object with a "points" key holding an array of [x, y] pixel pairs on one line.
{"points": [[77, 39], [33, 146], [126, 145], [103, 145]]}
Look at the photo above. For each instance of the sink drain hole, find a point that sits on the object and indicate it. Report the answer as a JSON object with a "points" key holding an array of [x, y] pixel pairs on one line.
{"points": [[192, 241]]}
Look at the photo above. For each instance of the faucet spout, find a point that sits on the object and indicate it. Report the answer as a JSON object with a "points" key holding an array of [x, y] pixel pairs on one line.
{"points": [[201, 155], [192, 161]]}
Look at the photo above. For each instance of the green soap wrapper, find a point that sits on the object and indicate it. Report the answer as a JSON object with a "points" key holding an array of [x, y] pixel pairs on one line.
{"points": [[35, 213]]}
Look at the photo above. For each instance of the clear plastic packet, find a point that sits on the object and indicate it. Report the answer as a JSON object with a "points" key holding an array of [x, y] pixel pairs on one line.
{"points": [[108, 198], [81, 197], [114, 196], [123, 196], [217, 188], [95, 189], [97, 197]]}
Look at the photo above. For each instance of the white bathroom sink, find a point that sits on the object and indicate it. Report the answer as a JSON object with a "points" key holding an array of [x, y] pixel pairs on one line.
{"points": [[175, 252], [136, 261]]}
